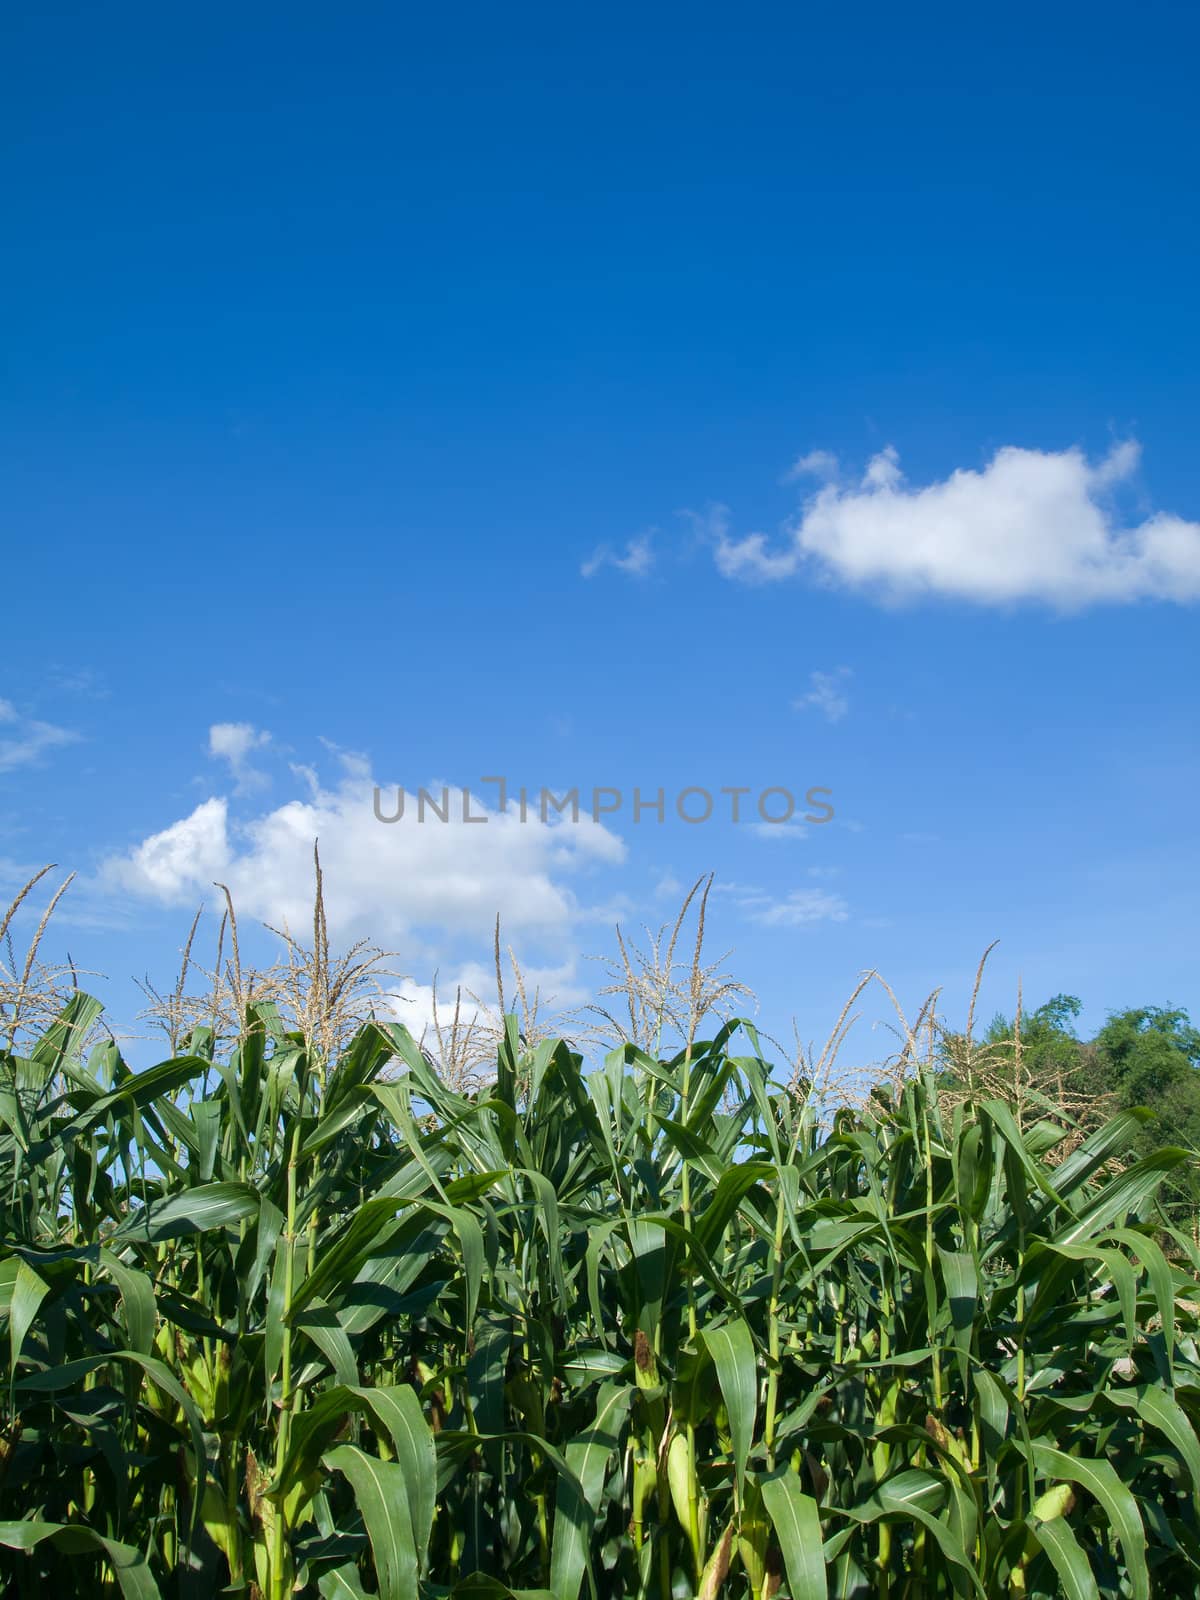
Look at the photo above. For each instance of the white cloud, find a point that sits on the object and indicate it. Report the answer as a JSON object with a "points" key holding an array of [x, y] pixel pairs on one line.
{"points": [[80, 681], [473, 988], [389, 881], [826, 694], [234, 742], [24, 741], [1032, 525], [636, 561], [183, 860], [800, 908], [793, 828], [816, 464], [412, 1003]]}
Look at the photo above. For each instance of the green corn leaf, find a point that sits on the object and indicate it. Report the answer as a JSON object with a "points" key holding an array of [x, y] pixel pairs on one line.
{"points": [[58, 1048], [55, 1380], [135, 1092], [731, 1347], [209, 1205], [28, 1292], [137, 1299], [1162, 1287], [578, 1496], [382, 1500], [1048, 1301], [1087, 1159], [132, 1574], [322, 1325], [1129, 1191], [797, 1524], [1101, 1481], [962, 1287], [480, 1586], [1159, 1411], [1070, 1563], [918, 1496], [341, 1583], [398, 1410]]}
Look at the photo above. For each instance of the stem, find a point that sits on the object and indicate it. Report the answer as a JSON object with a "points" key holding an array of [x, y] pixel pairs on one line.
{"points": [[686, 1208], [773, 1333], [279, 1584], [1021, 1313], [937, 1355]]}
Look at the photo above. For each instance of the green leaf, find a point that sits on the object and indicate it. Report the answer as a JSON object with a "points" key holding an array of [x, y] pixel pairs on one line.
{"points": [[55, 1380], [482, 1586], [62, 1042], [342, 1583], [137, 1299], [399, 1411], [797, 1523], [1159, 1272], [916, 1495], [320, 1322], [578, 1501], [1070, 1563], [1101, 1481], [28, 1292], [368, 1230], [1087, 1159], [135, 1092], [208, 1205], [129, 1565], [382, 1500], [1159, 1411], [962, 1287], [731, 1347], [1129, 1191]]}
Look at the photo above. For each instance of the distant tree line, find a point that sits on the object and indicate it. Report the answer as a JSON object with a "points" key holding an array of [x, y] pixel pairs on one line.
{"points": [[1147, 1056]]}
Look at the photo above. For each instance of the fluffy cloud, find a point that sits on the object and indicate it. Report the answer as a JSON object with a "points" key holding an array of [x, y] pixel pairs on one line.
{"points": [[473, 987], [1032, 525], [635, 562], [24, 741], [391, 881]]}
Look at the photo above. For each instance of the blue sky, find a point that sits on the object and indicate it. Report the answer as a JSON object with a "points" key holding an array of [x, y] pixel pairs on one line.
{"points": [[405, 392]]}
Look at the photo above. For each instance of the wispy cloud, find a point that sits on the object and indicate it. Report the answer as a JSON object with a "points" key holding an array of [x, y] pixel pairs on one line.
{"points": [[83, 681], [793, 828], [1032, 525], [816, 464], [826, 694], [798, 909], [234, 743], [636, 561], [24, 741]]}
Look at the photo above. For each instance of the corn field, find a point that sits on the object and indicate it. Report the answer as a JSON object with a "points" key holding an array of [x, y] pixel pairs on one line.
{"points": [[281, 1323]]}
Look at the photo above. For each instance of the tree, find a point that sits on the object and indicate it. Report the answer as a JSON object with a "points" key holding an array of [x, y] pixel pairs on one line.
{"points": [[1035, 1063], [1149, 1056]]}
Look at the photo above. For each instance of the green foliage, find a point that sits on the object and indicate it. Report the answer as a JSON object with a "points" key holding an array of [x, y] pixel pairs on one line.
{"points": [[1148, 1056], [282, 1325]]}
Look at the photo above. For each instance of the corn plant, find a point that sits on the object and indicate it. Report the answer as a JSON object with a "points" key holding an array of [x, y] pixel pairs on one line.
{"points": [[288, 1321]]}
